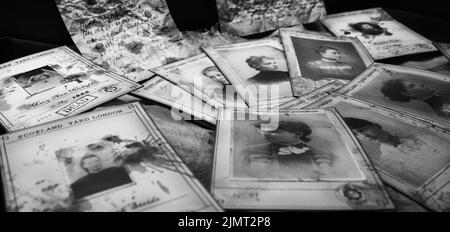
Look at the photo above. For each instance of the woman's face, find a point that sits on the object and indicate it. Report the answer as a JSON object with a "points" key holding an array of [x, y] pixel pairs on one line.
{"points": [[417, 90]]}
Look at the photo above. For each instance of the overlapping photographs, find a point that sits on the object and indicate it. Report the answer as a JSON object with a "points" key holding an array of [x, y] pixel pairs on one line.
{"points": [[313, 96], [315, 60], [54, 84], [444, 48], [184, 105], [199, 76], [293, 159], [257, 70], [383, 36], [246, 17], [122, 164], [410, 155], [426, 95]]}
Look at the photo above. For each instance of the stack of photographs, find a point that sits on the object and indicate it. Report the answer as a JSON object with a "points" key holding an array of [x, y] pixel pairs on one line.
{"points": [[302, 120], [382, 35], [57, 166], [293, 159], [54, 84]]}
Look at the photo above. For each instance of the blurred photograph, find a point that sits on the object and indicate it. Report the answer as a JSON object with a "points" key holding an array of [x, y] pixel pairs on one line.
{"points": [[409, 153], [421, 93]]}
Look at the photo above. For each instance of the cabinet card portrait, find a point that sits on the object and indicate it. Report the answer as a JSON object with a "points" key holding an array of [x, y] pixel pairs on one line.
{"points": [[246, 17], [424, 94], [444, 48], [122, 164], [54, 84], [165, 92], [382, 35], [315, 60], [199, 76], [410, 155], [257, 70], [293, 159], [127, 37], [313, 96]]}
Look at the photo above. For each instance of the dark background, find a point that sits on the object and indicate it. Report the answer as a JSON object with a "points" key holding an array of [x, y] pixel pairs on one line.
{"points": [[30, 26]]}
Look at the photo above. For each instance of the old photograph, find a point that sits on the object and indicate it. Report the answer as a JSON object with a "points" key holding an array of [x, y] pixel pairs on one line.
{"points": [[54, 84], [125, 167], [258, 70], [421, 93], [315, 60], [382, 35], [304, 153], [199, 76], [246, 17], [408, 153], [184, 105]]}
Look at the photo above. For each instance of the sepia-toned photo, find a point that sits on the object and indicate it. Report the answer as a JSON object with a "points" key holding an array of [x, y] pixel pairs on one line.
{"points": [[199, 76], [54, 84], [246, 17], [421, 93], [256, 67], [125, 167], [409, 153], [315, 60], [292, 159], [383, 36]]}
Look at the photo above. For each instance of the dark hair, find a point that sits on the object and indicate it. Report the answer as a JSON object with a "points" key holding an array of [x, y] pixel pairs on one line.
{"points": [[87, 156], [322, 49], [255, 61], [361, 124], [357, 123], [377, 29], [295, 128], [394, 89]]}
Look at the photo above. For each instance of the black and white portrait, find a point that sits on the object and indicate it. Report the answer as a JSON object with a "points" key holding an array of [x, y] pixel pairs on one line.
{"points": [[318, 59], [406, 90], [414, 91], [382, 35], [293, 149], [369, 29], [404, 152], [271, 70]]}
